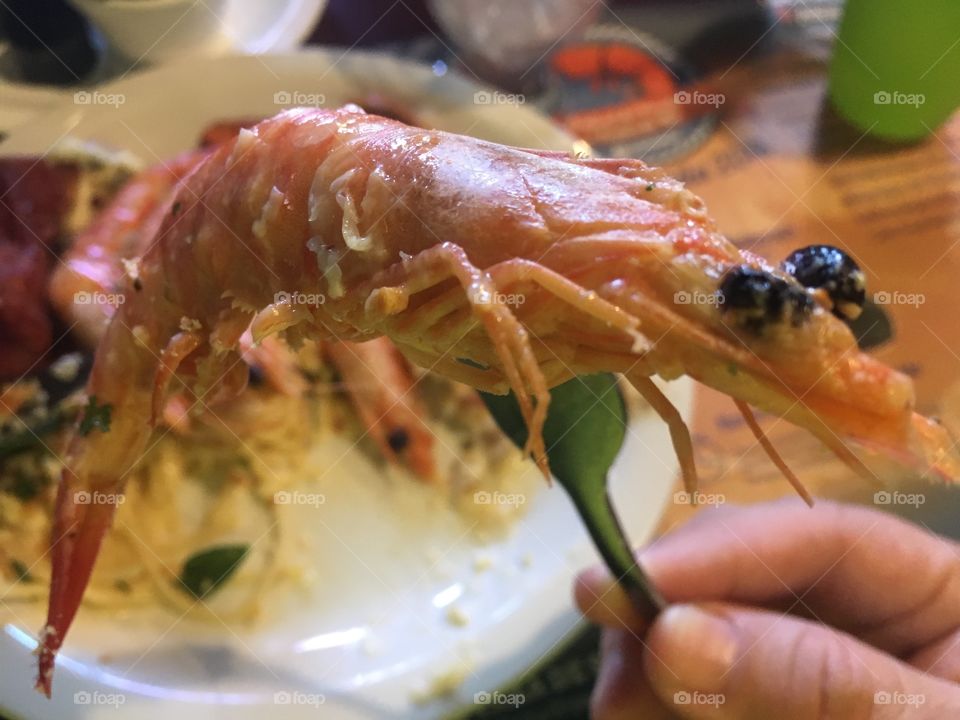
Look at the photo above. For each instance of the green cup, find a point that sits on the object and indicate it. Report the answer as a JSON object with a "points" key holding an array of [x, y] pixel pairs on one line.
{"points": [[896, 66]]}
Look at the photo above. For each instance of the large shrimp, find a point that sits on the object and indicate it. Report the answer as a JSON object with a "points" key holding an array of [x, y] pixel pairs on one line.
{"points": [[94, 267], [374, 375], [499, 267]]}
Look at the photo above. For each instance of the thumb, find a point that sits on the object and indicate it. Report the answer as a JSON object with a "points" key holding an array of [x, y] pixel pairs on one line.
{"points": [[728, 661]]}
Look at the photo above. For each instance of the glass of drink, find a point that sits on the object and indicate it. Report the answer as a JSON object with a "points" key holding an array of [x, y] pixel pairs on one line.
{"points": [[896, 66]]}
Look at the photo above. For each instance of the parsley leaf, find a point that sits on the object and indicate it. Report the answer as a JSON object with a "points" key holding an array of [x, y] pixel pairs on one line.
{"points": [[95, 417]]}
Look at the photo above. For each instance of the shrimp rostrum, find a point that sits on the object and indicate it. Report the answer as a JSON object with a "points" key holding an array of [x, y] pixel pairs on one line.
{"points": [[502, 268]]}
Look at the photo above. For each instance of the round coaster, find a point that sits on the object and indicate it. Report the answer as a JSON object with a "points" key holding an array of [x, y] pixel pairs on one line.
{"points": [[628, 95]]}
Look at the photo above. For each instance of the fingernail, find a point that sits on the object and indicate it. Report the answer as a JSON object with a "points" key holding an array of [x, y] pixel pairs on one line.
{"points": [[602, 600], [697, 648], [589, 588]]}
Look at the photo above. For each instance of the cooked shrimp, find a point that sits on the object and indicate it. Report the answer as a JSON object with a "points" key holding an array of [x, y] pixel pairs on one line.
{"points": [[498, 267], [224, 131], [382, 389], [107, 251], [94, 265], [380, 386]]}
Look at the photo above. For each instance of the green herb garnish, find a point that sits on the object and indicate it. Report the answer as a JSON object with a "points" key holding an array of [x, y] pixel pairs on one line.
{"points": [[23, 485], [203, 572], [584, 431], [95, 417], [20, 571], [30, 437]]}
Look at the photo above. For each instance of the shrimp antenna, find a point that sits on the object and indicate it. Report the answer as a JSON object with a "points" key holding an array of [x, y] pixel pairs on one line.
{"points": [[850, 459], [771, 451]]}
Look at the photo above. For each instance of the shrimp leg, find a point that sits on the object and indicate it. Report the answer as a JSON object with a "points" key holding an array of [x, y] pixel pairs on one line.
{"points": [[79, 527], [392, 293], [518, 270], [679, 432]]}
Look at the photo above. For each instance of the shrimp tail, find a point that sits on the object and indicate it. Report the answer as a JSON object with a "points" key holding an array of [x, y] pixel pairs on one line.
{"points": [[80, 524], [107, 443]]}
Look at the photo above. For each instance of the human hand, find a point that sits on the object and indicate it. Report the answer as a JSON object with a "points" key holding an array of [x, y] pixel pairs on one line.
{"points": [[782, 611]]}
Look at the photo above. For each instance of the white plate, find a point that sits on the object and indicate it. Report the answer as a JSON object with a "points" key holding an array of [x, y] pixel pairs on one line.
{"points": [[377, 631], [250, 26]]}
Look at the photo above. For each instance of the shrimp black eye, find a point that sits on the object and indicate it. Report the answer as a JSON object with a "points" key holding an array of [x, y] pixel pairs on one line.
{"points": [[755, 298], [256, 378], [832, 270], [398, 440]]}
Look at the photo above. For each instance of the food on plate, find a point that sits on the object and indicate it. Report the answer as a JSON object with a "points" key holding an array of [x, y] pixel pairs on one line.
{"points": [[501, 268], [44, 200], [36, 195], [125, 225], [224, 130], [104, 255], [213, 503]]}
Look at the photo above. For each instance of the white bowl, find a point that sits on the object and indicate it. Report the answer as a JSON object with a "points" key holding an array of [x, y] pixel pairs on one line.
{"points": [[155, 30]]}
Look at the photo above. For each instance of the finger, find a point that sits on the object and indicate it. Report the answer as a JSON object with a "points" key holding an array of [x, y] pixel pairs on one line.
{"points": [[726, 661], [940, 658], [621, 691], [881, 578]]}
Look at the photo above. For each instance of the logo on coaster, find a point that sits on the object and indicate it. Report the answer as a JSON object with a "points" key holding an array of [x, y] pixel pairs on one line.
{"points": [[627, 95]]}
